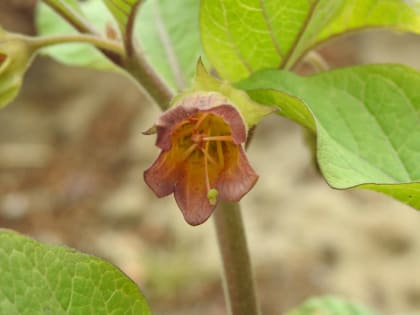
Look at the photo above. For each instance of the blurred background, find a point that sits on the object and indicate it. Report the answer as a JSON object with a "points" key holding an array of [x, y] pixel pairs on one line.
{"points": [[71, 161]]}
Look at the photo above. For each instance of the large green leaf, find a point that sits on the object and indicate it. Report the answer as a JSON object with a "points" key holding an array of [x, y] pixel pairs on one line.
{"points": [[367, 122], [242, 37], [329, 305], [38, 279], [167, 31]]}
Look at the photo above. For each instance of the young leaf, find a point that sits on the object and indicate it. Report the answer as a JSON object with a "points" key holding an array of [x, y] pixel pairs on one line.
{"points": [[42, 279], [242, 37], [329, 305], [367, 123]]}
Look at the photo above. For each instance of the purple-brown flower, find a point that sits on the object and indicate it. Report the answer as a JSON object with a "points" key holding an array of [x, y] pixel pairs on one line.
{"points": [[202, 158]]}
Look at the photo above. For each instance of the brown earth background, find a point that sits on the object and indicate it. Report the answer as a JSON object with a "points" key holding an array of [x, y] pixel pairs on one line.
{"points": [[71, 161]]}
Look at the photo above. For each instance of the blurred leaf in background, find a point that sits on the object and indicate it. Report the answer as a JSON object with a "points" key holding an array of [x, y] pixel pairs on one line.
{"points": [[328, 305]]}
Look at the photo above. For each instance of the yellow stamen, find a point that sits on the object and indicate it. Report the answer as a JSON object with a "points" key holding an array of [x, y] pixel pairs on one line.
{"points": [[188, 152], [206, 166], [220, 153], [218, 138], [200, 121], [208, 156]]}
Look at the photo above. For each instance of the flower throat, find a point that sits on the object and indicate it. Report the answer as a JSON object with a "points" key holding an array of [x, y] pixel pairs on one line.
{"points": [[204, 139]]}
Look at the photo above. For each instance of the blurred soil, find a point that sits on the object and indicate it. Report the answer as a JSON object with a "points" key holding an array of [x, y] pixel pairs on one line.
{"points": [[71, 162]]}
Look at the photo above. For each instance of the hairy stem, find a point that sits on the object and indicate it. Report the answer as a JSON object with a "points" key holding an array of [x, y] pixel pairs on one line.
{"points": [[238, 279]]}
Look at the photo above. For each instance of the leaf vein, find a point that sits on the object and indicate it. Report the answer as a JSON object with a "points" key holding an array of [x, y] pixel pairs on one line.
{"points": [[231, 42], [267, 21]]}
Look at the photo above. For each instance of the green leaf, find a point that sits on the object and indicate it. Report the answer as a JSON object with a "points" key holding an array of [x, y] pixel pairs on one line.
{"points": [[169, 36], [242, 37], [167, 30], [367, 123], [333, 18], [49, 23], [38, 279], [329, 305]]}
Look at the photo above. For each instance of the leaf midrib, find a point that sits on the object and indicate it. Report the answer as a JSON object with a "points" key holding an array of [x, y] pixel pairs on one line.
{"points": [[168, 48]]}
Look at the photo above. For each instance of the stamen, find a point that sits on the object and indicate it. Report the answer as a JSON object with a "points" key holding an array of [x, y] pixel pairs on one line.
{"points": [[220, 153], [188, 152], [208, 156], [200, 120], [218, 138], [206, 166], [186, 130]]}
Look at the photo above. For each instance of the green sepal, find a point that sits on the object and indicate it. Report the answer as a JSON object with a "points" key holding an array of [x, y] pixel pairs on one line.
{"points": [[16, 54], [252, 112]]}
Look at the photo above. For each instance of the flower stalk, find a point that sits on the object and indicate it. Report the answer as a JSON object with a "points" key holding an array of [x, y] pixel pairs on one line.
{"points": [[238, 279]]}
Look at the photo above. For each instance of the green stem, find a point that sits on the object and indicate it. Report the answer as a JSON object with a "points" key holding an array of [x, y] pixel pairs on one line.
{"points": [[129, 42], [71, 16], [99, 42], [238, 279], [148, 79]]}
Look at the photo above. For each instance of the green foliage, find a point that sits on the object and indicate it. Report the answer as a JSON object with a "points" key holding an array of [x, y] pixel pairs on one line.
{"points": [[38, 279], [367, 122], [49, 23], [329, 306], [242, 37], [167, 31], [169, 36]]}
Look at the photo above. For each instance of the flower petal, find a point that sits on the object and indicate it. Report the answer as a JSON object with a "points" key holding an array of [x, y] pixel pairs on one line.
{"points": [[163, 174], [232, 117], [238, 177], [168, 121], [191, 194], [205, 102]]}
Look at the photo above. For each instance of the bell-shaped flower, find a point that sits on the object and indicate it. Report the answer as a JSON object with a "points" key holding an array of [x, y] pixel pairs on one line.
{"points": [[202, 158]]}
